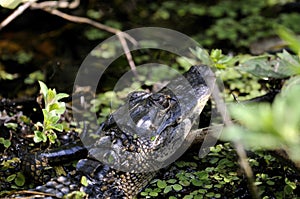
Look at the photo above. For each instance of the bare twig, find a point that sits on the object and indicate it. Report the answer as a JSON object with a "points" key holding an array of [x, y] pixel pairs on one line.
{"points": [[16, 13], [127, 52], [121, 35], [244, 164], [243, 159], [50, 7], [32, 193], [247, 169], [57, 4], [76, 19]]}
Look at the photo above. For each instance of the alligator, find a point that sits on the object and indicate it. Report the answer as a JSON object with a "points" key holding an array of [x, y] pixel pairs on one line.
{"points": [[147, 133]]}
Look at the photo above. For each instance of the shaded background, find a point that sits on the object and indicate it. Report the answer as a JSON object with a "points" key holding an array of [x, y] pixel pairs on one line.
{"points": [[38, 45]]}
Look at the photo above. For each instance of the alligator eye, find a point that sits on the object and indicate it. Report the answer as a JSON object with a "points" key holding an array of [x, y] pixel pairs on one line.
{"points": [[160, 100]]}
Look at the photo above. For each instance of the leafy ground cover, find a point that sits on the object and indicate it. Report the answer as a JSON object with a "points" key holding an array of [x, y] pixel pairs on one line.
{"points": [[233, 29], [218, 175]]}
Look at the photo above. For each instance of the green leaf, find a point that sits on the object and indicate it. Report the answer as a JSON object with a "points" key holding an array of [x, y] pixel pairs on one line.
{"points": [[39, 137], [269, 182], [34, 76], [60, 96], [61, 109], [202, 191], [11, 125], [291, 60], [214, 160], [202, 175], [53, 107], [144, 193], [203, 55], [57, 127], [11, 177], [291, 184], [5, 142], [167, 189], [84, 181], [184, 183], [210, 194], [196, 182], [172, 181], [161, 184], [266, 66], [11, 4], [20, 179], [288, 189], [248, 116], [216, 53], [52, 137], [152, 193], [177, 187], [75, 195], [54, 119], [44, 89], [185, 62], [275, 125], [46, 115], [50, 97], [290, 37], [188, 197], [249, 138], [94, 14], [95, 34]]}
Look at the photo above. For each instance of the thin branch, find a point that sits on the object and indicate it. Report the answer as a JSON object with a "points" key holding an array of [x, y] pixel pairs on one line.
{"points": [[243, 159], [121, 35], [16, 13], [75, 19], [127, 52], [49, 6], [57, 4], [247, 169]]}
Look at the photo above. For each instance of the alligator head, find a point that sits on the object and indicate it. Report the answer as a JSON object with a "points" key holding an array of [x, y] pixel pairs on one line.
{"points": [[151, 130]]}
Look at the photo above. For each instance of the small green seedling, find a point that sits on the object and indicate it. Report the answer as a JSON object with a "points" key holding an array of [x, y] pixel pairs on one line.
{"points": [[52, 112], [5, 142]]}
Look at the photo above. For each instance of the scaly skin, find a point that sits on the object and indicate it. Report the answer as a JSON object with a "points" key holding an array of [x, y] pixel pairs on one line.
{"points": [[147, 133]]}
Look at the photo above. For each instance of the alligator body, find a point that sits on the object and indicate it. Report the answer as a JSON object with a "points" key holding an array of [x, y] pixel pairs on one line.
{"points": [[147, 133]]}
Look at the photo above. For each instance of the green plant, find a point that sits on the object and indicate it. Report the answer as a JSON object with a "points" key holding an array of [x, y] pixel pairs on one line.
{"points": [[6, 143], [34, 76], [6, 76], [277, 124], [198, 178], [75, 195], [22, 57], [11, 4], [18, 178], [218, 176], [52, 112], [290, 37], [15, 179]]}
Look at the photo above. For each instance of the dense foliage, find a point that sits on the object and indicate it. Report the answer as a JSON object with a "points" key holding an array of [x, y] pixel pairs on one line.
{"points": [[52, 49]]}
